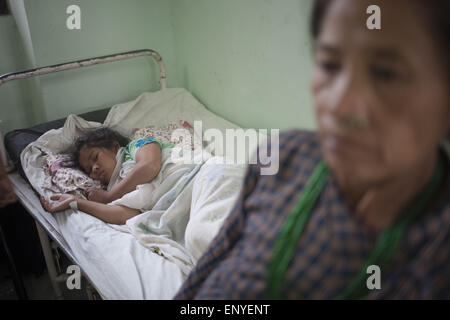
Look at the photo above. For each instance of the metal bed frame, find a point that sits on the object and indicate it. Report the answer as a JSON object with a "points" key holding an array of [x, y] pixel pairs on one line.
{"points": [[50, 245]]}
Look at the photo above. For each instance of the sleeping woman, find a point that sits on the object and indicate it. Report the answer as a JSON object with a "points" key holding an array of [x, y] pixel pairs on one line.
{"points": [[96, 153]]}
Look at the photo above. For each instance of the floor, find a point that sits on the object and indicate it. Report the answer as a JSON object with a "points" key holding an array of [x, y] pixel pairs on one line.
{"points": [[38, 287]]}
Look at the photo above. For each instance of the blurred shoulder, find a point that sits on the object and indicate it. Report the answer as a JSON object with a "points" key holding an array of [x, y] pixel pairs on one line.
{"points": [[302, 140], [290, 150], [298, 146]]}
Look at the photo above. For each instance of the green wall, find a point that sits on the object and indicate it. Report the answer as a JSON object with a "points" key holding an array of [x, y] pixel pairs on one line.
{"points": [[107, 26], [13, 95], [247, 60]]}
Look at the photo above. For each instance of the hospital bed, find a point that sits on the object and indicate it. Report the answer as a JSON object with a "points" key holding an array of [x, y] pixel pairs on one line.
{"points": [[129, 271]]}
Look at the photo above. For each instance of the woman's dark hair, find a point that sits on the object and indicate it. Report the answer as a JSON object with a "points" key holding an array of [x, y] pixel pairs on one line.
{"points": [[436, 12], [102, 138], [318, 13]]}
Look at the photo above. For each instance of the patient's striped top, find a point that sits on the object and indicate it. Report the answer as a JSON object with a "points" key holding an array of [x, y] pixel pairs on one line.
{"points": [[133, 146]]}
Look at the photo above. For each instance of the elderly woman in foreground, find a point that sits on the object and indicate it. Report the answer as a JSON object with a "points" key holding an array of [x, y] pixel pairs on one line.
{"points": [[360, 209]]}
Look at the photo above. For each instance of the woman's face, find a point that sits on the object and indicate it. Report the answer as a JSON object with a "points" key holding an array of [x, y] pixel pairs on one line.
{"points": [[381, 96], [98, 162]]}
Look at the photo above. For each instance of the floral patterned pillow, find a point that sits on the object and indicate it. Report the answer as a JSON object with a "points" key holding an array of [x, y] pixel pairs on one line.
{"points": [[169, 133], [61, 178]]}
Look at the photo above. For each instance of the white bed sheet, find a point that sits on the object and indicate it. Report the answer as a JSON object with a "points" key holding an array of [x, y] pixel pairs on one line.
{"points": [[119, 266], [123, 268]]}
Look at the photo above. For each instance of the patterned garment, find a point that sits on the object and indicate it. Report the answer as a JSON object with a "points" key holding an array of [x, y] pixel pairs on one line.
{"points": [[132, 147], [330, 251]]}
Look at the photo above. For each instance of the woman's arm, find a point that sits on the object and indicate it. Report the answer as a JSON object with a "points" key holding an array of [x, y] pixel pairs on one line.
{"points": [[148, 164], [109, 214]]}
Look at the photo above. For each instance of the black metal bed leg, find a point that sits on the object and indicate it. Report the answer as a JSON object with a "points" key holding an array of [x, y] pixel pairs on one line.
{"points": [[17, 279]]}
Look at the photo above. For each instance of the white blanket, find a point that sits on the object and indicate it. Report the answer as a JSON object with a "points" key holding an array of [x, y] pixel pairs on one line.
{"points": [[182, 209]]}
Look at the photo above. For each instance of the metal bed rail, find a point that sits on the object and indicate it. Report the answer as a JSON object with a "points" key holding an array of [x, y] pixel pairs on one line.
{"points": [[88, 62]]}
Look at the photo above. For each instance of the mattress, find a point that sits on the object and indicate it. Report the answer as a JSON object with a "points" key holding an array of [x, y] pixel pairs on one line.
{"points": [[117, 266]]}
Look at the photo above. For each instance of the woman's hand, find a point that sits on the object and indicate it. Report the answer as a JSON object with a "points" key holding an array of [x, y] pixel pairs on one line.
{"points": [[99, 195], [60, 203]]}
